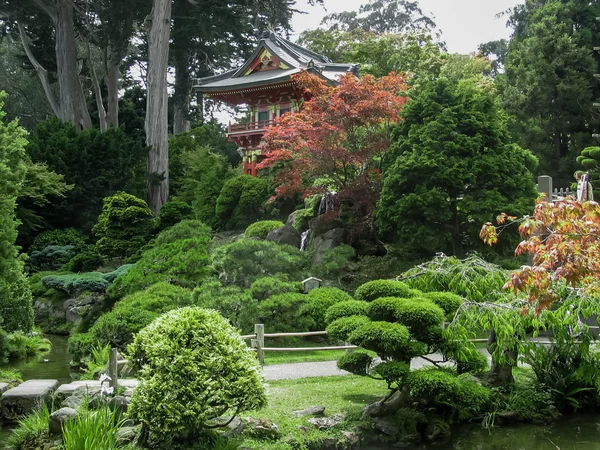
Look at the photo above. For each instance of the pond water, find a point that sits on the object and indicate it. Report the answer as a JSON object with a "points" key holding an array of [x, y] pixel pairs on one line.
{"points": [[580, 432], [53, 365]]}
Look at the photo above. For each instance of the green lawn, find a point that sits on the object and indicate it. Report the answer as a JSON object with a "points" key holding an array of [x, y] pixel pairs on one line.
{"points": [[295, 357], [338, 394]]}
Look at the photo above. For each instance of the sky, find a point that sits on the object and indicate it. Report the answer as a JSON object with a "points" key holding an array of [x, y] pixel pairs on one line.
{"points": [[464, 23]]}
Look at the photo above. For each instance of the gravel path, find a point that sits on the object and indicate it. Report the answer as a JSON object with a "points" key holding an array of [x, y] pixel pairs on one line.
{"points": [[321, 369]]}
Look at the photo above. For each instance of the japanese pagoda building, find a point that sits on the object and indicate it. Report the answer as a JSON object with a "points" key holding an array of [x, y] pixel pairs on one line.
{"points": [[263, 83]]}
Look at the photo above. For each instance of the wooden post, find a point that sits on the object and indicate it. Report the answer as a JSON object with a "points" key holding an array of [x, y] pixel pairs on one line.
{"points": [[259, 329], [113, 368]]}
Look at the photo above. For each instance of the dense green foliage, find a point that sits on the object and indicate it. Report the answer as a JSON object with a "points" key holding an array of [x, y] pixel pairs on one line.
{"points": [[97, 164], [93, 429], [173, 212], [264, 288], [182, 356], [135, 311], [548, 84], [280, 314], [237, 306], [246, 260], [455, 167], [197, 173], [240, 201], [375, 289], [181, 261], [124, 225], [318, 301], [65, 236], [73, 284], [262, 228], [16, 312], [52, 257], [450, 396]]}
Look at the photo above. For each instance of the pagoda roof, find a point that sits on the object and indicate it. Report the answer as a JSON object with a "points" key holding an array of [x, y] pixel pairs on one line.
{"points": [[273, 62]]}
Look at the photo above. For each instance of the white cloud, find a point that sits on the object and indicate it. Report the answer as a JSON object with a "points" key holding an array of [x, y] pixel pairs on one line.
{"points": [[464, 23]]}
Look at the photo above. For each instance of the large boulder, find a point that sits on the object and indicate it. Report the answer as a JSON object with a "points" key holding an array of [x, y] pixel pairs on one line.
{"points": [[59, 418], [323, 243], [285, 235]]}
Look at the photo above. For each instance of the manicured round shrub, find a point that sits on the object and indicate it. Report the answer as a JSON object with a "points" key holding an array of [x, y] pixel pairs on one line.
{"points": [[448, 301], [124, 225], [119, 271], [186, 229], [443, 392], [388, 340], [373, 290], [341, 329], [193, 368], [265, 287], [66, 236], [52, 257], [240, 201], [280, 314], [346, 309], [173, 212], [136, 311], [418, 314], [318, 301], [357, 362], [263, 228], [384, 309]]}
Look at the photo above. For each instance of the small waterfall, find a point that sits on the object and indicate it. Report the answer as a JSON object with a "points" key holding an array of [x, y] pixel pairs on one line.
{"points": [[327, 203], [304, 240]]}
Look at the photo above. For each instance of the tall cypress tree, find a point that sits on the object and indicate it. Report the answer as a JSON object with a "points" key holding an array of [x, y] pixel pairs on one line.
{"points": [[16, 312]]}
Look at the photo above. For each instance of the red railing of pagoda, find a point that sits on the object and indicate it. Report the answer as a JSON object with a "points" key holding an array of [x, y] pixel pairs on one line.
{"points": [[250, 126]]}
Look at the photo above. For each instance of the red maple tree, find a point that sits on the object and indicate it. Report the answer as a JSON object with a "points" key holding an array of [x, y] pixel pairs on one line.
{"points": [[333, 141], [564, 239]]}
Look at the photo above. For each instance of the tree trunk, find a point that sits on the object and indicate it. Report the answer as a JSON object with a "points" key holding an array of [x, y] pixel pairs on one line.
{"points": [[112, 101], [156, 124], [457, 248], [389, 405], [97, 91], [73, 107], [183, 88], [501, 374]]}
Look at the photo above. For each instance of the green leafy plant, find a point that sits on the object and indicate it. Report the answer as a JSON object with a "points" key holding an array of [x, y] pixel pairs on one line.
{"points": [[92, 429], [375, 289], [173, 212], [117, 327], [318, 301], [237, 306], [346, 309], [61, 238], [124, 225], [244, 261], [263, 228], [183, 262], [265, 287], [186, 229], [240, 201], [50, 258], [280, 313], [193, 357], [73, 284], [31, 431]]}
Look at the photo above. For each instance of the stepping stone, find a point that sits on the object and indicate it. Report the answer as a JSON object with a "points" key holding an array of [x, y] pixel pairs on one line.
{"points": [[25, 398]]}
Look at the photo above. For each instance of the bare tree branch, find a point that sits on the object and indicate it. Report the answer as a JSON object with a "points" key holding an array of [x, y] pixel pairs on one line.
{"points": [[47, 9], [42, 73]]}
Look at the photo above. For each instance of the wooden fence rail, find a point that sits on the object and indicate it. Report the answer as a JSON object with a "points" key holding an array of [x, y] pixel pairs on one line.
{"points": [[257, 341]]}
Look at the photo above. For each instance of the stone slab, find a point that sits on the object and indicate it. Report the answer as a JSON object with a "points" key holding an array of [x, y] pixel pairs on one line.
{"points": [[128, 382], [25, 398]]}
